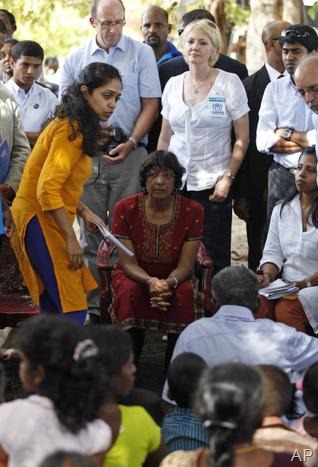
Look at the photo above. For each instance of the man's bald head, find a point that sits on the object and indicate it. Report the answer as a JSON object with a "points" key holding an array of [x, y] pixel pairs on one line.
{"points": [[273, 30], [306, 80], [270, 37], [155, 9]]}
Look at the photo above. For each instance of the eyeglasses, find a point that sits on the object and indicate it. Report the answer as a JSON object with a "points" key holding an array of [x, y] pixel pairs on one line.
{"points": [[312, 90], [166, 174], [295, 32], [108, 25]]}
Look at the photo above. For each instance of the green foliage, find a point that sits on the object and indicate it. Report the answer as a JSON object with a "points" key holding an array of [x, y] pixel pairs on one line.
{"points": [[312, 11], [235, 13], [58, 25]]}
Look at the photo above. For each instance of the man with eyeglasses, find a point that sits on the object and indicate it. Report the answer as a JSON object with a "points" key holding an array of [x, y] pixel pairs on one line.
{"points": [[306, 80], [286, 124], [250, 203], [118, 176]]}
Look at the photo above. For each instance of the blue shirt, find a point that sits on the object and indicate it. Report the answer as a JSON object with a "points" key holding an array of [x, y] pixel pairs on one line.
{"points": [[181, 429], [171, 52], [138, 69], [234, 335]]}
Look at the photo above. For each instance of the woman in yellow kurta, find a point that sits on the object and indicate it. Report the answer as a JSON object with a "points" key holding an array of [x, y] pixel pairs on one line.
{"points": [[50, 257]]}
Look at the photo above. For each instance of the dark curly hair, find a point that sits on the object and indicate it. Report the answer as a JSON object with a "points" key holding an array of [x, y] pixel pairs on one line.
{"points": [[82, 119], [162, 159], [71, 382], [71, 459], [114, 347]]}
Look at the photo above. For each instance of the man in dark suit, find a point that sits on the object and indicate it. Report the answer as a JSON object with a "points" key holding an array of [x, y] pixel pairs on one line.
{"points": [[251, 182], [177, 66]]}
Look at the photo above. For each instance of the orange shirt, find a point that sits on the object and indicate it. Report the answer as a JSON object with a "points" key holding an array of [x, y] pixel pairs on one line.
{"points": [[53, 177]]}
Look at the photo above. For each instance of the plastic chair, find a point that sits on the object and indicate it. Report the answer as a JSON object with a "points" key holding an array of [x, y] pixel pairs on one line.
{"points": [[203, 278]]}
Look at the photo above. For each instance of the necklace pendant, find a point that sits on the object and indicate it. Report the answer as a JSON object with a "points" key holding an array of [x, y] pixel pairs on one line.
{"points": [[196, 91]]}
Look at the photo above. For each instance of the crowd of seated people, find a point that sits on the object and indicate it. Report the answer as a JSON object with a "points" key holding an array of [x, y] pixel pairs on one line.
{"points": [[82, 157]]}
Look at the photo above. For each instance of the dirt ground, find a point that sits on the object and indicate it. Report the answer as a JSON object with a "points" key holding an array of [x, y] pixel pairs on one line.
{"points": [[150, 372]]}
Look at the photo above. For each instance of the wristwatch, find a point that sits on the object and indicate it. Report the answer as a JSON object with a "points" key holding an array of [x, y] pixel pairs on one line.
{"points": [[287, 133]]}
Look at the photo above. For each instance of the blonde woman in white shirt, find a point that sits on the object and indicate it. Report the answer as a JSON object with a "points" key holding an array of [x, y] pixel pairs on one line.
{"points": [[200, 108], [292, 248]]}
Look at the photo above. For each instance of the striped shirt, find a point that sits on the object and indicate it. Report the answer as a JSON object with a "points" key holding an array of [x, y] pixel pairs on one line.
{"points": [[181, 429]]}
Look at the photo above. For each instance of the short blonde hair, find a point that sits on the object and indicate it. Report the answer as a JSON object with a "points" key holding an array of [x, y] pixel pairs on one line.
{"points": [[211, 30]]}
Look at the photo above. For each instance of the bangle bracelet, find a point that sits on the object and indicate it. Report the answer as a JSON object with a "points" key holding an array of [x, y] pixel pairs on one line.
{"points": [[308, 282], [176, 282]]}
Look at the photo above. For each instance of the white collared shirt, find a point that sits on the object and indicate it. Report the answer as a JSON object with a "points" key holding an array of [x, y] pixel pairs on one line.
{"points": [[281, 107], [36, 106], [201, 137], [137, 65], [295, 252], [272, 72]]}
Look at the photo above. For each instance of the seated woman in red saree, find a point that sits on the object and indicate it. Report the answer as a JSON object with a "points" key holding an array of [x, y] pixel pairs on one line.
{"points": [[153, 290]]}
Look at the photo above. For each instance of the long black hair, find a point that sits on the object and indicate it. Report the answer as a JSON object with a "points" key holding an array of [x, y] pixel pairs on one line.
{"points": [[313, 212], [75, 108], [230, 401], [114, 350], [71, 377]]}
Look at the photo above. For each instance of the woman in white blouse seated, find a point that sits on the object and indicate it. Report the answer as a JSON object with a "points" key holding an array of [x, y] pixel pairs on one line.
{"points": [[200, 107], [292, 248]]}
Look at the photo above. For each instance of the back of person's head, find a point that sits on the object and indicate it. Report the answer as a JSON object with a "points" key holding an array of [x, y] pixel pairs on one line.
{"points": [[27, 49], [115, 350], [305, 35], [62, 366], [310, 388], [278, 390], [163, 160], [11, 41], [67, 459], [236, 285], [198, 13], [183, 376], [230, 401], [147, 399], [74, 105]]}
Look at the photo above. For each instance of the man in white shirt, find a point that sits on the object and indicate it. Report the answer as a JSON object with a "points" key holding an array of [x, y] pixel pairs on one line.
{"points": [[250, 203], [306, 80], [118, 176], [36, 103], [285, 123], [234, 335]]}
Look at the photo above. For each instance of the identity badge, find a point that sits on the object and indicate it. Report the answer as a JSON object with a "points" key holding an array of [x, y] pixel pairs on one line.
{"points": [[218, 108]]}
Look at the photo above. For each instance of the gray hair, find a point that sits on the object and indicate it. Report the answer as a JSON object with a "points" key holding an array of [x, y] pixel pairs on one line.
{"points": [[236, 285]]}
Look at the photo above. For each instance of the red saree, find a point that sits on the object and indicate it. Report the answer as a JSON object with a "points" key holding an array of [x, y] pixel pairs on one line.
{"points": [[157, 249]]}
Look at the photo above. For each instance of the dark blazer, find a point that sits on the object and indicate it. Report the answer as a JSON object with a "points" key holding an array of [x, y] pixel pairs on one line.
{"points": [[177, 66], [251, 181]]}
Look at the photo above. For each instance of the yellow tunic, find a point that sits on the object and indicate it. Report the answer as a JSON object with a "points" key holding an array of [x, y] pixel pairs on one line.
{"points": [[53, 177]]}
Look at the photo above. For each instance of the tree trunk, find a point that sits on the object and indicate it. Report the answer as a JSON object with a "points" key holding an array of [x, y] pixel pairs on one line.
{"points": [[263, 11]]}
